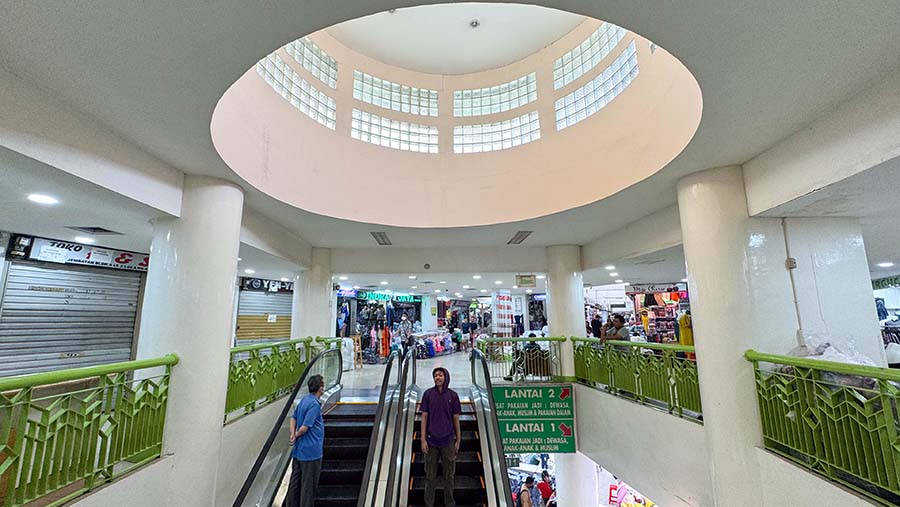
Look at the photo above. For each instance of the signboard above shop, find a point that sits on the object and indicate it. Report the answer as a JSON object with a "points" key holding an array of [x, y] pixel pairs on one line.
{"points": [[526, 281], [384, 296], [262, 285], [655, 287], [64, 252]]}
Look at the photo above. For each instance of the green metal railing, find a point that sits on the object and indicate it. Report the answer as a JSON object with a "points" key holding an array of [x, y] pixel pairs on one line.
{"points": [[260, 374], [522, 359], [660, 375], [836, 419], [105, 423]]}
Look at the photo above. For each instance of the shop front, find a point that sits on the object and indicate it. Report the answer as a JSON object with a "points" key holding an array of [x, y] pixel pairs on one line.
{"points": [[264, 311], [661, 312], [66, 305]]}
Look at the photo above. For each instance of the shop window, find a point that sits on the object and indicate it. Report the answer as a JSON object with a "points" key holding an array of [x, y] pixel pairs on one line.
{"points": [[314, 59], [296, 90], [587, 55], [395, 134], [497, 136], [495, 99], [598, 92], [394, 96]]}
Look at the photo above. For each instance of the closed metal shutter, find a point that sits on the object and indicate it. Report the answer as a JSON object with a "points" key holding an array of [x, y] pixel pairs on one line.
{"points": [[56, 317], [254, 307]]}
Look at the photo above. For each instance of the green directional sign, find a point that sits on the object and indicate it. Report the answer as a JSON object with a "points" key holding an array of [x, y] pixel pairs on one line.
{"points": [[536, 418]]}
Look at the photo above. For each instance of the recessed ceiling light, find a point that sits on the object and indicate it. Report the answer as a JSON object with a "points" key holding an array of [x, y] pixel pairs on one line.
{"points": [[541, 277], [388, 291], [515, 286], [618, 281], [43, 199], [885, 264], [412, 277], [239, 259], [442, 281], [529, 291], [684, 279], [285, 279], [437, 291], [626, 283], [465, 286], [476, 277], [414, 287], [384, 282], [613, 274], [356, 287], [609, 268], [249, 271], [498, 282], [342, 278], [483, 290], [84, 239]]}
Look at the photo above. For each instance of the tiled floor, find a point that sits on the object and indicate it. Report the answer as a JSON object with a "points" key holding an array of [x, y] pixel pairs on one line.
{"points": [[361, 381]]}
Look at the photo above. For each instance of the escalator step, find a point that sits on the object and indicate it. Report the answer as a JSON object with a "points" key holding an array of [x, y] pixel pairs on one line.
{"points": [[346, 449], [348, 476], [467, 463], [353, 410], [470, 442], [468, 490], [342, 495], [348, 428]]}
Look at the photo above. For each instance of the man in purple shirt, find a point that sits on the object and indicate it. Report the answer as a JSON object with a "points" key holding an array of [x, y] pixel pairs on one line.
{"points": [[440, 435]]}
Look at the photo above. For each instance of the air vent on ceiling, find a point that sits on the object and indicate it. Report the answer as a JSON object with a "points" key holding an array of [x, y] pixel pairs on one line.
{"points": [[649, 262], [519, 237], [95, 231], [381, 238]]}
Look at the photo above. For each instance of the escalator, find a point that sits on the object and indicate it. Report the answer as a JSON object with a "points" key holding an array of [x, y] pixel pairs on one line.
{"points": [[348, 429]]}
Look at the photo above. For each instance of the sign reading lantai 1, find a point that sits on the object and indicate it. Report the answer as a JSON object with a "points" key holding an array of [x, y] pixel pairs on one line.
{"points": [[536, 419]]}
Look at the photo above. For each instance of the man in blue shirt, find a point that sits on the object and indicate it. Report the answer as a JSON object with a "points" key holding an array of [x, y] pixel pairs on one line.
{"points": [[308, 439]]}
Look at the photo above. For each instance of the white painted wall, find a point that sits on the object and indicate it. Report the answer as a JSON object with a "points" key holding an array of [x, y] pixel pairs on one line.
{"points": [[652, 233], [39, 126], [582, 477], [662, 456], [142, 488], [429, 321], [861, 133], [443, 260], [264, 234], [833, 283], [785, 483], [241, 442]]}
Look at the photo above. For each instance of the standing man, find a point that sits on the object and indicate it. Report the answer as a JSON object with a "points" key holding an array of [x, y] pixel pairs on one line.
{"points": [[524, 498], [440, 435], [308, 440], [617, 331]]}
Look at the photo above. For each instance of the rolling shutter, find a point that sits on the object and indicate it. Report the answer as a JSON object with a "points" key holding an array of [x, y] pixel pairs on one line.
{"points": [[254, 307], [60, 316]]}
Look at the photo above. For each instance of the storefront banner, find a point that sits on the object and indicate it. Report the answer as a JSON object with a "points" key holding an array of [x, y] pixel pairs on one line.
{"points": [[886, 283], [526, 281], [63, 252], [656, 287], [259, 284], [383, 296], [502, 314], [536, 419], [347, 293]]}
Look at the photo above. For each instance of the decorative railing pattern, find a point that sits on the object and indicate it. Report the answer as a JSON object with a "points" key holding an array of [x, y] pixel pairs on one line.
{"points": [[104, 422], [260, 374], [659, 375], [839, 420], [522, 359]]}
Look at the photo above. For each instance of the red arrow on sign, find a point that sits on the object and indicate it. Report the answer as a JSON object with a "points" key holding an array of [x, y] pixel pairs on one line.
{"points": [[566, 431], [566, 392]]}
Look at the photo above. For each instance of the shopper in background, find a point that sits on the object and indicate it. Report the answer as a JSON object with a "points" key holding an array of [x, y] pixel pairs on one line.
{"points": [[596, 326], [544, 328], [405, 332], [524, 498], [308, 440], [441, 435], [545, 488], [617, 331], [536, 495]]}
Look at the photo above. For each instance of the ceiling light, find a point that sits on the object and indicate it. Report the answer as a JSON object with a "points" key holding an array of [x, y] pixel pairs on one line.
{"points": [[414, 287], [43, 199], [384, 282], [239, 259], [84, 239], [285, 279], [476, 277], [515, 286], [412, 277], [885, 264], [541, 277], [609, 268], [613, 274], [483, 290], [381, 238], [356, 287], [465, 286], [249, 271], [443, 281], [618, 281], [499, 282], [388, 291], [437, 291], [342, 278], [529, 291], [684, 279], [626, 283]]}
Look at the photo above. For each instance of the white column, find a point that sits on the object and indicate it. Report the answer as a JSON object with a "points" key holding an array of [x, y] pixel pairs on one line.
{"points": [[296, 307], [565, 299], [315, 306], [188, 310], [429, 321]]}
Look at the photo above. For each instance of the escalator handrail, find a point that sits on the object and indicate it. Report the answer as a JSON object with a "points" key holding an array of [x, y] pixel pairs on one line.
{"points": [[499, 465], [373, 441], [398, 454], [274, 434]]}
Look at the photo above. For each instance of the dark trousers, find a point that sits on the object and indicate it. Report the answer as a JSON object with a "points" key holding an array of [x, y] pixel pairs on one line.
{"points": [[304, 485], [448, 459]]}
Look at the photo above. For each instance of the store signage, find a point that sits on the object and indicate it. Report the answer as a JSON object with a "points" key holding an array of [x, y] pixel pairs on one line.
{"points": [[539, 297], [536, 419], [383, 296], [63, 252], [526, 280], [886, 283], [347, 293], [654, 287], [502, 308], [266, 285]]}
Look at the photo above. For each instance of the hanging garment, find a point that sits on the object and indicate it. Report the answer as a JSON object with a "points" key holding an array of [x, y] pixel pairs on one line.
{"points": [[685, 330]]}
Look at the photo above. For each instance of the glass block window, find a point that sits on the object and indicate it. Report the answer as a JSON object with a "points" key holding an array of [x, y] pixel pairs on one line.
{"points": [[296, 90], [598, 92], [587, 55], [393, 96], [497, 136], [395, 134], [495, 99], [314, 59]]}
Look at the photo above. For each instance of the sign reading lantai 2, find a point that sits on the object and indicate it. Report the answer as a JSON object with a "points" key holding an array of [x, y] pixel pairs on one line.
{"points": [[536, 419]]}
